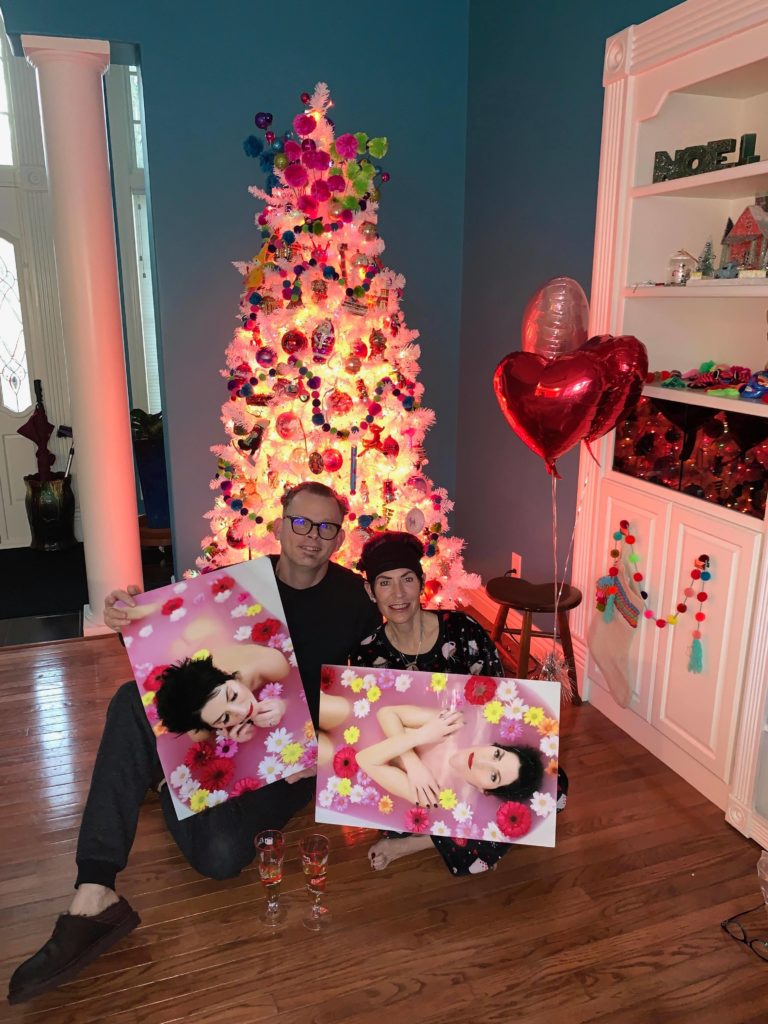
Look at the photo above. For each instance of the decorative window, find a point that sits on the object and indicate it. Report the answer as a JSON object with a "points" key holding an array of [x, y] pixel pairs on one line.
{"points": [[6, 147], [146, 301], [138, 135], [14, 375]]}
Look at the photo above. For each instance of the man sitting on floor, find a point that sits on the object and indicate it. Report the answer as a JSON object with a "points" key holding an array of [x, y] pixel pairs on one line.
{"points": [[328, 613]]}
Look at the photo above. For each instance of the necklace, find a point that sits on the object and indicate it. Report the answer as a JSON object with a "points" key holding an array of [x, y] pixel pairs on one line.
{"points": [[410, 664]]}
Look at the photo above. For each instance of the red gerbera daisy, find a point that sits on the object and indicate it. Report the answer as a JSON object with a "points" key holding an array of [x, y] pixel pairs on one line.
{"points": [[345, 763], [480, 689], [264, 631], [198, 755], [244, 786], [222, 584], [514, 819], [216, 773], [172, 605], [417, 820], [155, 679], [326, 678]]}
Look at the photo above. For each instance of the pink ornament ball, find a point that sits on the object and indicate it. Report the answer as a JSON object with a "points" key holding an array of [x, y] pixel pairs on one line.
{"points": [[266, 357], [332, 460], [304, 124], [288, 426]]}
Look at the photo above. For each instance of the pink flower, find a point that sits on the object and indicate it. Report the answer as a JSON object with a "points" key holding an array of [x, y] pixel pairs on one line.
{"points": [[222, 585], [345, 763], [155, 678], [296, 175], [226, 747], [172, 605], [308, 205], [304, 124], [270, 690], [346, 146], [292, 150], [417, 820], [244, 786], [309, 757], [514, 819], [479, 690], [510, 730], [320, 191], [335, 183]]}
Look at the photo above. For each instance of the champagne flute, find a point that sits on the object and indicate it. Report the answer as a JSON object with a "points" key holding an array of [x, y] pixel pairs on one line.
{"points": [[271, 849], [314, 852]]}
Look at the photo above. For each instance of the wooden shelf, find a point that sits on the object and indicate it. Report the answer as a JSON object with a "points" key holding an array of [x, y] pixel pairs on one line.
{"points": [[731, 183], [734, 291], [691, 397]]}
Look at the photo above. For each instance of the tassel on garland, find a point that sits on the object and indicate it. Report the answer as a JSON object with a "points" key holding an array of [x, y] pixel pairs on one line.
{"points": [[696, 660], [609, 607]]}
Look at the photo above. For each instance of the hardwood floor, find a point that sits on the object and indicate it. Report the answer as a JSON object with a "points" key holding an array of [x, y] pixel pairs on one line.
{"points": [[618, 924]]}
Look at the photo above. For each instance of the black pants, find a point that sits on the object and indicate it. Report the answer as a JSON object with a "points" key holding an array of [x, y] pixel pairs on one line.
{"points": [[217, 842]]}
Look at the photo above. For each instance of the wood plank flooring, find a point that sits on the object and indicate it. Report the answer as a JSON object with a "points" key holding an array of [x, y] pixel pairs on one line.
{"points": [[618, 924]]}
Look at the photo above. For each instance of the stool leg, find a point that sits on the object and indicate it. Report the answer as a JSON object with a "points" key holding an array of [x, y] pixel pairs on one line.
{"points": [[500, 623], [565, 640], [525, 646]]}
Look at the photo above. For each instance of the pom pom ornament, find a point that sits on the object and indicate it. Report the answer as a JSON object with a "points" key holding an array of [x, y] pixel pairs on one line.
{"points": [[322, 372], [612, 596]]}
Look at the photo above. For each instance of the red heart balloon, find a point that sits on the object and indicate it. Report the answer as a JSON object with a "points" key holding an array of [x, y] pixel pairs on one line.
{"points": [[625, 362], [550, 404]]}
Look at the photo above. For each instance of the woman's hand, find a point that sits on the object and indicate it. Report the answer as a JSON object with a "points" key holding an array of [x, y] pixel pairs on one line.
{"points": [[440, 727], [118, 618], [269, 713], [425, 785]]}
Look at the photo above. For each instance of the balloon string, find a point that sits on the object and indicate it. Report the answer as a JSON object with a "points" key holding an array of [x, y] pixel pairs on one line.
{"points": [[560, 584]]}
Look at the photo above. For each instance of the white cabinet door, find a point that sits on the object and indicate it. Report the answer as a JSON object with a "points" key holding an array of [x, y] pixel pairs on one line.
{"points": [[699, 712]]}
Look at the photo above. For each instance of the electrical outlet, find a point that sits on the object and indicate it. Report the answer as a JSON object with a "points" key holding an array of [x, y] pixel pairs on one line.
{"points": [[516, 565]]}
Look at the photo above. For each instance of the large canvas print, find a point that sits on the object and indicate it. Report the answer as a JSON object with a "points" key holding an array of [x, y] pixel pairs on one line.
{"points": [[484, 751], [233, 619]]}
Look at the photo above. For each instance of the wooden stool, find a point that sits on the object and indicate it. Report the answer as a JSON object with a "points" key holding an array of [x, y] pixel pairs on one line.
{"points": [[510, 592]]}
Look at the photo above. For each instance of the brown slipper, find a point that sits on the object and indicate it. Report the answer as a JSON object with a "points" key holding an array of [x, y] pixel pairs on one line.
{"points": [[76, 941]]}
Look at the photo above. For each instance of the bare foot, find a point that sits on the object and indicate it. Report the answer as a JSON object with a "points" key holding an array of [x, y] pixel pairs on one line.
{"points": [[386, 850], [91, 899]]}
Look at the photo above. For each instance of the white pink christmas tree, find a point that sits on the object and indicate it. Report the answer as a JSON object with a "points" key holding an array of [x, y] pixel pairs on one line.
{"points": [[322, 371]]}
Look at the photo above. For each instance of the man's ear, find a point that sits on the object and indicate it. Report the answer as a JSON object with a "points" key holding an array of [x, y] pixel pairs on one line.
{"points": [[339, 541], [277, 526]]}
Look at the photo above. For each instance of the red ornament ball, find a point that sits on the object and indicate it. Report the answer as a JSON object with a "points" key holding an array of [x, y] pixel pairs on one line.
{"points": [[339, 402], [390, 447], [359, 349], [332, 460], [305, 97], [288, 426], [293, 341], [431, 589]]}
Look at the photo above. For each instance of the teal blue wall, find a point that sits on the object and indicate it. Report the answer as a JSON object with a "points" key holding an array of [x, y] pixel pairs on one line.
{"points": [[535, 106], [398, 70]]}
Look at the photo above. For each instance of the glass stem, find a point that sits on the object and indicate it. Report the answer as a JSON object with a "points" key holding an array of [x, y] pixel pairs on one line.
{"points": [[316, 904], [273, 905]]}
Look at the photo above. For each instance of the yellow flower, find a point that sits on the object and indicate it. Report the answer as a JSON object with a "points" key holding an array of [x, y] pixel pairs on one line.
{"points": [[198, 800], [352, 734], [439, 679], [344, 787], [374, 693], [309, 730], [253, 609], [548, 727], [533, 716], [447, 799], [201, 655], [291, 753], [356, 685], [493, 711], [386, 805], [159, 729], [148, 698]]}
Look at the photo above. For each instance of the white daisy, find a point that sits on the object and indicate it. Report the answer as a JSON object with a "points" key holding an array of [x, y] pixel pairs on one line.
{"points": [[218, 796], [180, 775], [515, 709], [222, 596], [127, 640], [271, 768], [347, 676], [369, 681], [186, 789], [243, 633], [292, 660], [361, 708], [278, 739], [146, 631], [240, 612], [549, 745], [439, 828], [356, 794], [492, 833], [403, 683], [332, 785], [506, 690], [542, 804], [462, 813], [140, 672], [180, 588], [177, 613], [287, 644], [325, 798]]}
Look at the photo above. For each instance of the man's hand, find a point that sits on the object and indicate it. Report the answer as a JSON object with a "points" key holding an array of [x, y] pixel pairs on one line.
{"points": [[425, 785], [269, 712], [118, 618]]}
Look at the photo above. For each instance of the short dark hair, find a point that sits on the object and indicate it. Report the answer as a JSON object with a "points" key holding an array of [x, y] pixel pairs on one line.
{"points": [[319, 490], [529, 779], [187, 688]]}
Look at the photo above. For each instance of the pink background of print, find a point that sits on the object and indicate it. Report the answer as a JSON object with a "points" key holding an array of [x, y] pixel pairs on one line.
{"points": [[158, 640], [361, 807]]}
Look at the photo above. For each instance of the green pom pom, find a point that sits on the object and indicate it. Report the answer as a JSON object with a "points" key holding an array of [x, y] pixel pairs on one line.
{"points": [[378, 147], [349, 203], [706, 367], [362, 140]]}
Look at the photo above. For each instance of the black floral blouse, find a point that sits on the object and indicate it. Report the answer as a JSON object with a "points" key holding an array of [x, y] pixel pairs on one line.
{"points": [[462, 647]]}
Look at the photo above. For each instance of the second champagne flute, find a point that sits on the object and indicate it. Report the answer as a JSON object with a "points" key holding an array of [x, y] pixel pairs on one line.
{"points": [[314, 852], [271, 849]]}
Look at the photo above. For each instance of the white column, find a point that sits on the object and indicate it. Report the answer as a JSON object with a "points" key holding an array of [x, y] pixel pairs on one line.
{"points": [[69, 78]]}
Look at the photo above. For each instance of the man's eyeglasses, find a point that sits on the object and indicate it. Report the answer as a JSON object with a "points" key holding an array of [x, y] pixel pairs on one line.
{"points": [[304, 526], [735, 929]]}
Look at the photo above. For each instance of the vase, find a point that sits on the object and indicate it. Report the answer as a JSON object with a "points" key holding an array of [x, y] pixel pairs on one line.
{"points": [[50, 508]]}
